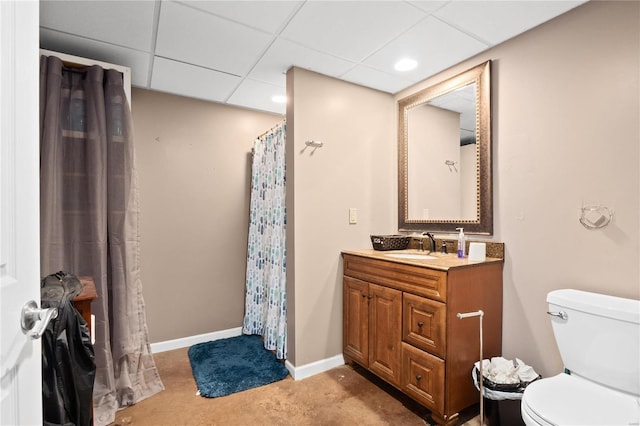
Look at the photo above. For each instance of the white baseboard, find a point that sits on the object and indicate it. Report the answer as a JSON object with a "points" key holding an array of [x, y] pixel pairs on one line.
{"points": [[307, 370], [185, 342], [298, 373]]}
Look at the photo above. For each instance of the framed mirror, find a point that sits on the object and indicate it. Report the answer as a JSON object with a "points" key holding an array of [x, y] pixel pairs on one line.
{"points": [[444, 156]]}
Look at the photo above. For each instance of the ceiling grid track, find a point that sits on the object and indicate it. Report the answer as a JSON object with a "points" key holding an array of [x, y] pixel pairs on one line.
{"points": [[154, 39]]}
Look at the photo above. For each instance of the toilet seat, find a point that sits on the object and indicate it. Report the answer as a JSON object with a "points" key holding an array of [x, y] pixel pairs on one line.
{"points": [[571, 400], [529, 416]]}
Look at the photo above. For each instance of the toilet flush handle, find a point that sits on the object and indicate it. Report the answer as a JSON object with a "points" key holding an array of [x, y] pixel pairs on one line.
{"points": [[562, 314]]}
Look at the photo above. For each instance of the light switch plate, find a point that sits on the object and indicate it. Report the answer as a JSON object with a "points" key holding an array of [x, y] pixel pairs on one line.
{"points": [[353, 215]]}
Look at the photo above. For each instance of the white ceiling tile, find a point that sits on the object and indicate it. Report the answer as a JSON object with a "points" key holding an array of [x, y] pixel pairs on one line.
{"points": [[198, 38], [257, 95], [268, 16], [350, 29], [434, 44], [283, 54], [497, 21], [125, 23], [78, 46], [370, 77], [429, 6], [224, 44], [188, 80]]}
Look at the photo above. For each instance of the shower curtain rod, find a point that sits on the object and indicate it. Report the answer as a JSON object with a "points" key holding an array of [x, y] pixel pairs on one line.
{"points": [[272, 129]]}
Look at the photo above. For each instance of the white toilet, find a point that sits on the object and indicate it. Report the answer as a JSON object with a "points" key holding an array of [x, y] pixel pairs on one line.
{"points": [[599, 340]]}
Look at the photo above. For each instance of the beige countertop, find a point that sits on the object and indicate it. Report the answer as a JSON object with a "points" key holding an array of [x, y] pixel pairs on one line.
{"points": [[442, 262]]}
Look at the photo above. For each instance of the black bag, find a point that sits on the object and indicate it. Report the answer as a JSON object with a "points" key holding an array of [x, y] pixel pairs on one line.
{"points": [[68, 360]]}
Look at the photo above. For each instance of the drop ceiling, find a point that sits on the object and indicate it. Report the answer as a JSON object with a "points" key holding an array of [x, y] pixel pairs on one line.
{"points": [[237, 52]]}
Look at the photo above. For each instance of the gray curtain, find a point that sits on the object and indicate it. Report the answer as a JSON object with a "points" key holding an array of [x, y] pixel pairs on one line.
{"points": [[89, 221]]}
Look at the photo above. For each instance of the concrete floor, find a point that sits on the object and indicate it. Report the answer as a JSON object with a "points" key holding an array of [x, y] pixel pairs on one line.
{"points": [[341, 396]]}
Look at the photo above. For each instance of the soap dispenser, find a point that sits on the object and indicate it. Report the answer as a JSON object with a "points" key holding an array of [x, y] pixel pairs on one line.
{"points": [[461, 243]]}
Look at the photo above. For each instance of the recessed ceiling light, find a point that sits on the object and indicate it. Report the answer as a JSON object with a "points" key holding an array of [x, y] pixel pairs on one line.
{"points": [[406, 64], [279, 99]]}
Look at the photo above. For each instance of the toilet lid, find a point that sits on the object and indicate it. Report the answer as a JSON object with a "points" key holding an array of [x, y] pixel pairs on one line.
{"points": [[570, 400]]}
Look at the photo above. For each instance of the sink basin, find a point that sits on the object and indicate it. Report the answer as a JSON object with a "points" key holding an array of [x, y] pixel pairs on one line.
{"points": [[412, 256]]}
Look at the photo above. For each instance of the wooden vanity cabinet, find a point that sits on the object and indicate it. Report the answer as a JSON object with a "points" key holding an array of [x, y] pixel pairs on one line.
{"points": [[372, 333], [400, 323]]}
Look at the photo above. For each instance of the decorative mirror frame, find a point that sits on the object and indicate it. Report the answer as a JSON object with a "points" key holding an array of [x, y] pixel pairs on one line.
{"points": [[483, 223]]}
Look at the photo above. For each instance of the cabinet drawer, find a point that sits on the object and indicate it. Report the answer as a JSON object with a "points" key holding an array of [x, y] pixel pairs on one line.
{"points": [[424, 324], [423, 377], [413, 279]]}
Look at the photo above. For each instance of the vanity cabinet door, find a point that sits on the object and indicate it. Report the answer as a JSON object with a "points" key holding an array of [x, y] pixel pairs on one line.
{"points": [[423, 377], [424, 323], [355, 331], [385, 325]]}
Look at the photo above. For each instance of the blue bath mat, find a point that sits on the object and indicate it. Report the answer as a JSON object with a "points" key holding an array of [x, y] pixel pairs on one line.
{"points": [[226, 366]]}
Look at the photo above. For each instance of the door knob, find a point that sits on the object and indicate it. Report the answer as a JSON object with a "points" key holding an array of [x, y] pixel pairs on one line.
{"points": [[31, 314]]}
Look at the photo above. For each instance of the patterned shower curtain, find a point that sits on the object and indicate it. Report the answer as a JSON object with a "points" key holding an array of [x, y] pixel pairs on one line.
{"points": [[265, 298]]}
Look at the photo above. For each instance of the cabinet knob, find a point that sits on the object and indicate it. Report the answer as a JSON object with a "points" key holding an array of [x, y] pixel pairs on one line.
{"points": [[364, 295], [420, 323], [418, 377]]}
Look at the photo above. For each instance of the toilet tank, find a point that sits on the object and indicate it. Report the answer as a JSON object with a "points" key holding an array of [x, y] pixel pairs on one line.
{"points": [[600, 337]]}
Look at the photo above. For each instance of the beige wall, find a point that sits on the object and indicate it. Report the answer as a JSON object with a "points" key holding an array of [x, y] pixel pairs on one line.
{"points": [[354, 168], [566, 132], [193, 160]]}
